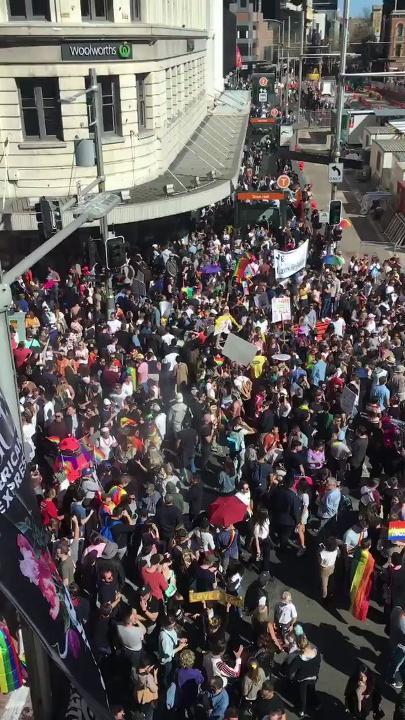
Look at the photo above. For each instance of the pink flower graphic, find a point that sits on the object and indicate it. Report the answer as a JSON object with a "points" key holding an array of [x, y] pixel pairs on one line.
{"points": [[39, 571], [48, 590], [46, 565], [28, 565]]}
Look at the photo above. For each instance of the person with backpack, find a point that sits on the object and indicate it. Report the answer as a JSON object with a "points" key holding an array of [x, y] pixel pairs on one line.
{"points": [[118, 528], [226, 542]]}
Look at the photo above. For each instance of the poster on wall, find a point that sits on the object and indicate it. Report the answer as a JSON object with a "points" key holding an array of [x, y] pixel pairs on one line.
{"points": [[29, 577]]}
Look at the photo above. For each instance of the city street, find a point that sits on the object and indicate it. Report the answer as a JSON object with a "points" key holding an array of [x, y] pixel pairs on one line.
{"points": [[364, 236]]}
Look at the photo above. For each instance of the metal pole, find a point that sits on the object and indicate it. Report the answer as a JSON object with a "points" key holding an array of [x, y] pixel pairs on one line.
{"points": [[98, 146], [288, 65], [302, 45], [341, 91]]}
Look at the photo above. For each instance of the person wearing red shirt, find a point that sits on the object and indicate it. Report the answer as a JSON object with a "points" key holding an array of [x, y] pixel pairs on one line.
{"points": [[21, 355], [153, 577], [49, 511]]}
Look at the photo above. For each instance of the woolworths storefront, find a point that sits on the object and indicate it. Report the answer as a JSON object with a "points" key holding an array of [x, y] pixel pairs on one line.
{"points": [[103, 50]]}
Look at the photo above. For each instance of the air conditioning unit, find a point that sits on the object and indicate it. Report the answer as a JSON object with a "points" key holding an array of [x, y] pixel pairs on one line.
{"points": [[169, 189], [212, 175]]}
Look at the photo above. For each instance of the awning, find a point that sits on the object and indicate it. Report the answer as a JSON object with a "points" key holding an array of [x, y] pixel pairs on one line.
{"points": [[206, 171], [398, 126]]}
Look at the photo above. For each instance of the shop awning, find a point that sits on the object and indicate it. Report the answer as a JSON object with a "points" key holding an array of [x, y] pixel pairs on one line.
{"points": [[204, 172]]}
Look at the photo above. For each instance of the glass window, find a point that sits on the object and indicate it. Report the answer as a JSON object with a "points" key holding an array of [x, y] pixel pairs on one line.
{"points": [[40, 107], [28, 9], [141, 101], [96, 10], [400, 30], [398, 50], [109, 105], [135, 9]]}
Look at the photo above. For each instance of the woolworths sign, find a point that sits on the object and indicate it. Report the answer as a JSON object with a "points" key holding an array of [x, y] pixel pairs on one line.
{"points": [[103, 50]]}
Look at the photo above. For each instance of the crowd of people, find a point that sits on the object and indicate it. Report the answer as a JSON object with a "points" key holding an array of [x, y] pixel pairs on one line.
{"points": [[163, 469]]}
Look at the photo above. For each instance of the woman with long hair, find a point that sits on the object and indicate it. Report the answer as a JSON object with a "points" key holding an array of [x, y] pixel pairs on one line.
{"points": [[252, 683], [304, 670], [362, 697]]}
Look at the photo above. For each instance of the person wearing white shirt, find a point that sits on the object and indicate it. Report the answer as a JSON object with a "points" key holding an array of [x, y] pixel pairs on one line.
{"points": [[107, 442], [285, 613], [113, 323], [327, 560]]}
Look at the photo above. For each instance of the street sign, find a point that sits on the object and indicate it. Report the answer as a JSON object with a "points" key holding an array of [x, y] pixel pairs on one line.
{"points": [[283, 182], [336, 172], [274, 112], [97, 206], [324, 216], [263, 96]]}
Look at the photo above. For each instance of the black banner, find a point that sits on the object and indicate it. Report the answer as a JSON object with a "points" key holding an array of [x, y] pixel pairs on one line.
{"points": [[29, 578]]}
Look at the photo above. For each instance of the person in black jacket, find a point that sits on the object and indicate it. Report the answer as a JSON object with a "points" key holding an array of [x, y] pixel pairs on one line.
{"points": [[285, 510], [361, 695], [304, 670]]}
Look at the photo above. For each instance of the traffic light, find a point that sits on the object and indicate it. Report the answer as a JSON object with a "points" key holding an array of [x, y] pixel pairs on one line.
{"points": [[116, 255], [49, 217], [335, 212], [337, 233]]}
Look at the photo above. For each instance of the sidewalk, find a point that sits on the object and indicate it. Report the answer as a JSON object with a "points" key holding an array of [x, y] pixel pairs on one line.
{"points": [[365, 235]]}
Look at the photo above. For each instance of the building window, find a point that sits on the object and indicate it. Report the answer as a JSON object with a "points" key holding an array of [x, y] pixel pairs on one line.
{"points": [[243, 3], [135, 10], [398, 50], [40, 107], [28, 10], [243, 32], [400, 30], [378, 162], [109, 105], [97, 10], [141, 100]]}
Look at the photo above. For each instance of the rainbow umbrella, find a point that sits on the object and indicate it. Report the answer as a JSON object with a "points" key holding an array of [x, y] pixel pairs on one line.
{"points": [[345, 223], [334, 260]]}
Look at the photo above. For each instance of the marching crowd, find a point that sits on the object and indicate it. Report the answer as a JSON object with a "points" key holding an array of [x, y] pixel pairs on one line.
{"points": [[169, 475]]}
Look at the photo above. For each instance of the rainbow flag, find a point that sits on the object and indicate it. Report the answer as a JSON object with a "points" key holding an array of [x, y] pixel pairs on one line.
{"points": [[240, 270], [10, 669], [99, 455], [128, 422], [362, 571], [396, 531], [219, 360]]}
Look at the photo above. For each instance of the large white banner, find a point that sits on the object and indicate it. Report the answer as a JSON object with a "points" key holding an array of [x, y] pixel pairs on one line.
{"points": [[288, 263]]}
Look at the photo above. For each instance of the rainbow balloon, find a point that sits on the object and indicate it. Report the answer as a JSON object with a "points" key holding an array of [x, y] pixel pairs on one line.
{"points": [[10, 668]]}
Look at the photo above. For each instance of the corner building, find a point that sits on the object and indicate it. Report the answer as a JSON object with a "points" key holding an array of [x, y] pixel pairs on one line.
{"points": [[161, 96]]}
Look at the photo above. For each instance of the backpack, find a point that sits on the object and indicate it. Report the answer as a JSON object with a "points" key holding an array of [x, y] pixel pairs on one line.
{"points": [[105, 531]]}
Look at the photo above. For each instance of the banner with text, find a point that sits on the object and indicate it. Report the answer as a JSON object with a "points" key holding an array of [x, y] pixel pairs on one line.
{"points": [[289, 263], [30, 579]]}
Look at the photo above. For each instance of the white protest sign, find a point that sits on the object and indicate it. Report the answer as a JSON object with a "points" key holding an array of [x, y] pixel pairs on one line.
{"points": [[239, 350], [347, 400], [280, 309], [165, 308], [289, 263]]}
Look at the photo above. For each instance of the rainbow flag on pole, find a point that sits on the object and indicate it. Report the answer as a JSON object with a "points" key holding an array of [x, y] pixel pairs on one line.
{"points": [[396, 531], [361, 583], [10, 669]]}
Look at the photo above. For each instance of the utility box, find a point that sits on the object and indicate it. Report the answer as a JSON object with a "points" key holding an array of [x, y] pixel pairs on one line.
{"points": [[85, 152]]}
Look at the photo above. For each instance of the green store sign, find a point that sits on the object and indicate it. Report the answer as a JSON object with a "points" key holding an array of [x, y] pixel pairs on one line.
{"points": [[97, 51]]}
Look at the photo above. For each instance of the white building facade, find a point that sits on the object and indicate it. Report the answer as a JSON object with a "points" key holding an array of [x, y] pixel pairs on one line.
{"points": [[151, 62]]}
